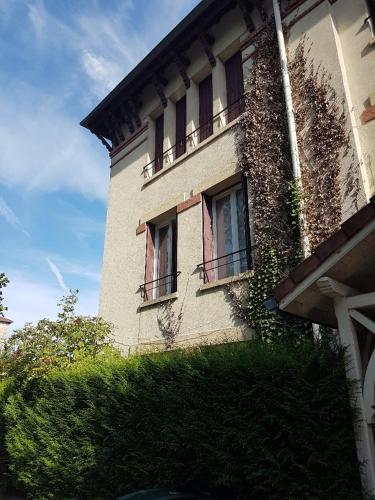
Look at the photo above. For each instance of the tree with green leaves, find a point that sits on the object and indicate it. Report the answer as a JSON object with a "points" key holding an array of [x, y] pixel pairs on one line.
{"points": [[3, 283], [34, 350]]}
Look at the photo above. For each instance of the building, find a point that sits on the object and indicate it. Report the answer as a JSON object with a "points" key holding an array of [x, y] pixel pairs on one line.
{"points": [[4, 323], [178, 223]]}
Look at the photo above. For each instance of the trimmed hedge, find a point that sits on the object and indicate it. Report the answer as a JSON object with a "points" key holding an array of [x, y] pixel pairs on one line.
{"points": [[245, 421]]}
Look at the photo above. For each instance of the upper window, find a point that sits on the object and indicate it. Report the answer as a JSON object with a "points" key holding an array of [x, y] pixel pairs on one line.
{"points": [[180, 127], [161, 275], [159, 141], [226, 234], [235, 89], [205, 108]]}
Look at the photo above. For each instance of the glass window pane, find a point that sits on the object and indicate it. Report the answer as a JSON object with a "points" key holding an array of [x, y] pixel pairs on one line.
{"points": [[163, 261], [241, 230], [224, 240]]}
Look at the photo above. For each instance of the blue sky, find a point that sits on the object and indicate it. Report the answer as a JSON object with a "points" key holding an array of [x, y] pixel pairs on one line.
{"points": [[58, 59]]}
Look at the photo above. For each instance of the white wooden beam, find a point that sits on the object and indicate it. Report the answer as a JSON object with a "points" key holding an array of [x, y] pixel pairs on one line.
{"points": [[364, 435], [363, 300], [332, 288], [363, 320]]}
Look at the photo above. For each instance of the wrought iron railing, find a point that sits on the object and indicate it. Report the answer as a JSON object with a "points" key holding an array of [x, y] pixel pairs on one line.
{"points": [[195, 137], [227, 265], [159, 287]]}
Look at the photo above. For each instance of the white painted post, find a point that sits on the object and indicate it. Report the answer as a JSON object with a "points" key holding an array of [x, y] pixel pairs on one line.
{"points": [[364, 435]]}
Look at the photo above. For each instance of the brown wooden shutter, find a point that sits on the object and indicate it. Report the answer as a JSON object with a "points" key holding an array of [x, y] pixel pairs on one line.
{"points": [[174, 255], [159, 140], [235, 89], [149, 266], [246, 220], [205, 108], [181, 126], [208, 243]]}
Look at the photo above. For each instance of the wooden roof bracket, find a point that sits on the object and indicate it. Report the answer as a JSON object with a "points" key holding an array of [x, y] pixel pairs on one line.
{"points": [[246, 7], [159, 83], [206, 40], [182, 62], [134, 108]]}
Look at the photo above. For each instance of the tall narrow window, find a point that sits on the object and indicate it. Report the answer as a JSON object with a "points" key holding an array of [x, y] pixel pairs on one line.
{"points": [[159, 140], [235, 89], [181, 127], [161, 260], [205, 108], [229, 227]]}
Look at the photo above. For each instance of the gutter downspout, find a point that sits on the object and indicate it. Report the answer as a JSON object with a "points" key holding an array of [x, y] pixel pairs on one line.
{"points": [[290, 116]]}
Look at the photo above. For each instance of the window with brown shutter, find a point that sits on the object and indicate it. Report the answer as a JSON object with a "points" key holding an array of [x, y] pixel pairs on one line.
{"points": [[149, 265], [226, 235], [159, 140], [235, 89], [208, 248], [205, 108], [181, 127], [161, 260]]}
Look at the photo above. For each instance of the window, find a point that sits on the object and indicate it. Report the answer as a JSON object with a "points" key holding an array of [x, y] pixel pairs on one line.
{"points": [[161, 275], [181, 127], [205, 108], [226, 234], [235, 89], [159, 140]]}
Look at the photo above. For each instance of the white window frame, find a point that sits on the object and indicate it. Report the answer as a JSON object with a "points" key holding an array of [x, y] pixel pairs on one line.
{"points": [[155, 291], [233, 207]]}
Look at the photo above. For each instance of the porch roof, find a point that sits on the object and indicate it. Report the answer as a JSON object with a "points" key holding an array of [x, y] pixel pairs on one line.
{"points": [[348, 256]]}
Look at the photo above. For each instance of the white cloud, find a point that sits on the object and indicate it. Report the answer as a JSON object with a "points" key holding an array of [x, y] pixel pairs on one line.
{"points": [[104, 73], [10, 217], [38, 17], [45, 149], [57, 273]]}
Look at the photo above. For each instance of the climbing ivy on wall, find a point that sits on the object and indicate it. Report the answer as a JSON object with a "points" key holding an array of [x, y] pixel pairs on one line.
{"points": [[277, 200]]}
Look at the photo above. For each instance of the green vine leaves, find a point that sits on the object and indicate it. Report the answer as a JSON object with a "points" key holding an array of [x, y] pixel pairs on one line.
{"points": [[277, 199]]}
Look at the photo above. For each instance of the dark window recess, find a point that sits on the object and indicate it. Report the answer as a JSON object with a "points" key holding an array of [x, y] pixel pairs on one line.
{"points": [[205, 108], [181, 127], [235, 89], [149, 267], [161, 260], [159, 140]]}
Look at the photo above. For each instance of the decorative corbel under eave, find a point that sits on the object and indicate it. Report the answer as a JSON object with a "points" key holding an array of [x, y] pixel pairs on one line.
{"points": [[125, 113], [133, 108], [261, 9], [103, 141], [246, 7], [206, 40], [116, 126], [182, 63], [159, 83]]}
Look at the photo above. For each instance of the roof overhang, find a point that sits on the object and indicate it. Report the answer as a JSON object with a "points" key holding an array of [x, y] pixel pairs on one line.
{"points": [[347, 257], [201, 18]]}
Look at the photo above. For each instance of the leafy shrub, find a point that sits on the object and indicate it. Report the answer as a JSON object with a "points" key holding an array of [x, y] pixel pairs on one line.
{"points": [[32, 351], [245, 421]]}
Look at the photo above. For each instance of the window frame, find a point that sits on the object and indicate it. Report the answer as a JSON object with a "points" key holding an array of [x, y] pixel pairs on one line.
{"points": [[156, 263], [232, 191]]}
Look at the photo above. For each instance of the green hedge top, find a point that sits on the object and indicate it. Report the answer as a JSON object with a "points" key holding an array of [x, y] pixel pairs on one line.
{"points": [[249, 420]]}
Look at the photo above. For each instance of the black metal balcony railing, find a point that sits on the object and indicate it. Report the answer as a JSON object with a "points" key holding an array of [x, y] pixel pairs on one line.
{"points": [[159, 287], [199, 134], [227, 265]]}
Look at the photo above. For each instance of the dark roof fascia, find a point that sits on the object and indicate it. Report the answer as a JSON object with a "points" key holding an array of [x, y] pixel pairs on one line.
{"points": [[178, 39], [5, 320], [348, 229]]}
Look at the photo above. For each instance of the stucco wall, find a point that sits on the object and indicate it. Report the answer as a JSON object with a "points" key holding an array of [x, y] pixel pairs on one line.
{"points": [[133, 199]]}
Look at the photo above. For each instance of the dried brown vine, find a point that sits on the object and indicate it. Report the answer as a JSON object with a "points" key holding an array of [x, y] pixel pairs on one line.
{"points": [[323, 141], [264, 149]]}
